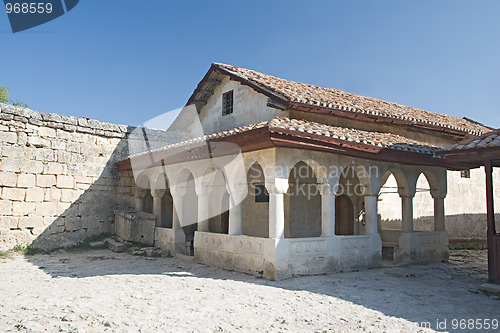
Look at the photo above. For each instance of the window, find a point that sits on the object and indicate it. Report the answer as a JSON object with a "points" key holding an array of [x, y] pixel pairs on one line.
{"points": [[227, 103], [465, 173], [261, 194]]}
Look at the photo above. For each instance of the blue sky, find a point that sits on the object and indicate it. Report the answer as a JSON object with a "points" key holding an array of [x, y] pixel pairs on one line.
{"points": [[125, 61]]}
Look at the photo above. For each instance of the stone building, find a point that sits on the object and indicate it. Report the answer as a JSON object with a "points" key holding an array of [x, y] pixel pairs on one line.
{"points": [[256, 174], [276, 178]]}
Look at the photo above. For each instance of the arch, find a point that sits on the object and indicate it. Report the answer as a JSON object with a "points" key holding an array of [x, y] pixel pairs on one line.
{"points": [[389, 205], [354, 183], [187, 211], [165, 218], [318, 170], [255, 206], [302, 203], [147, 200], [423, 205], [219, 203]]}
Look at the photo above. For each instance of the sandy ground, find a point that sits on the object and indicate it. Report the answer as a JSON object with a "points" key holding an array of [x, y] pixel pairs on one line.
{"points": [[99, 290]]}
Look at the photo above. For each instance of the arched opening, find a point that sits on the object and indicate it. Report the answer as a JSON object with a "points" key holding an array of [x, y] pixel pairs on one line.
{"points": [[344, 215], [389, 208], [302, 203], [255, 206], [166, 203], [423, 206], [389, 204], [219, 205], [349, 203], [147, 201], [189, 217]]}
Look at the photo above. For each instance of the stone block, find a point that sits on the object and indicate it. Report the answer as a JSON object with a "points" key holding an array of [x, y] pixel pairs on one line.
{"points": [[45, 180], [72, 223], [97, 245], [5, 207], [65, 181], [73, 147], [47, 132], [14, 194], [34, 167], [70, 195], [45, 155], [46, 209], [13, 151], [8, 179], [8, 137], [58, 144], [52, 194], [115, 246], [22, 208], [54, 168], [31, 222], [9, 222], [63, 156], [38, 142], [22, 138], [26, 180], [34, 194], [11, 164]]}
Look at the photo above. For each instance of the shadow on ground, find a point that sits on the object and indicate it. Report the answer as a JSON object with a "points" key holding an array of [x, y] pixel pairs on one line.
{"points": [[422, 294]]}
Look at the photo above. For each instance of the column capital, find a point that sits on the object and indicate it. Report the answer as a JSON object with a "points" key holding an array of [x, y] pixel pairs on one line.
{"points": [[326, 189], [438, 195], [277, 186], [140, 192], [158, 193], [177, 190]]}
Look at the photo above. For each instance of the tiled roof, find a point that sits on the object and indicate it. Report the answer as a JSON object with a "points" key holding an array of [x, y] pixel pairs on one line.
{"points": [[314, 96], [304, 128], [379, 139], [491, 139]]}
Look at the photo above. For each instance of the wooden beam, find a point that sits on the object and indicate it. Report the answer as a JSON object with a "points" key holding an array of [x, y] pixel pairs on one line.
{"points": [[207, 92], [213, 81], [493, 260]]}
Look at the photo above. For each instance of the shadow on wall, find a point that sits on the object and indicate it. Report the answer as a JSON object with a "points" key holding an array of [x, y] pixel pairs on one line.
{"points": [[90, 212]]}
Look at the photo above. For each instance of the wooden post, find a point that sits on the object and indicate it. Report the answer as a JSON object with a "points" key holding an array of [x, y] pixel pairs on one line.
{"points": [[493, 260]]}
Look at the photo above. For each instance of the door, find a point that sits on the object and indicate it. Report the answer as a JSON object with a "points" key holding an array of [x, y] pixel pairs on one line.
{"points": [[344, 216]]}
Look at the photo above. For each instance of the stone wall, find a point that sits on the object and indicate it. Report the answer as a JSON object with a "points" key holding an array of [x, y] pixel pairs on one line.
{"points": [[58, 180]]}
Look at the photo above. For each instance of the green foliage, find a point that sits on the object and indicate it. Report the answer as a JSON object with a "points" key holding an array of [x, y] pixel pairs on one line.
{"points": [[5, 98], [4, 95]]}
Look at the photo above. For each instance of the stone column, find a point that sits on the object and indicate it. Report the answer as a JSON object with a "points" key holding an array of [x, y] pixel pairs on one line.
{"points": [[327, 211], [439, 217], [203, 211], [371, 215], [407, 210], [235, 225], [276, 190], [157, 199], [179, 237]]}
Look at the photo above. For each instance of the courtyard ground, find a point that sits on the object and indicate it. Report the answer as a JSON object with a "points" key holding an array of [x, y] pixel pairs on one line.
{"points": [[103, 291]]}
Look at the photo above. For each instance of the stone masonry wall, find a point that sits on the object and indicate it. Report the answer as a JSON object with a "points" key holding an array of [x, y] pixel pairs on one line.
{"points": [[58, 180]]}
